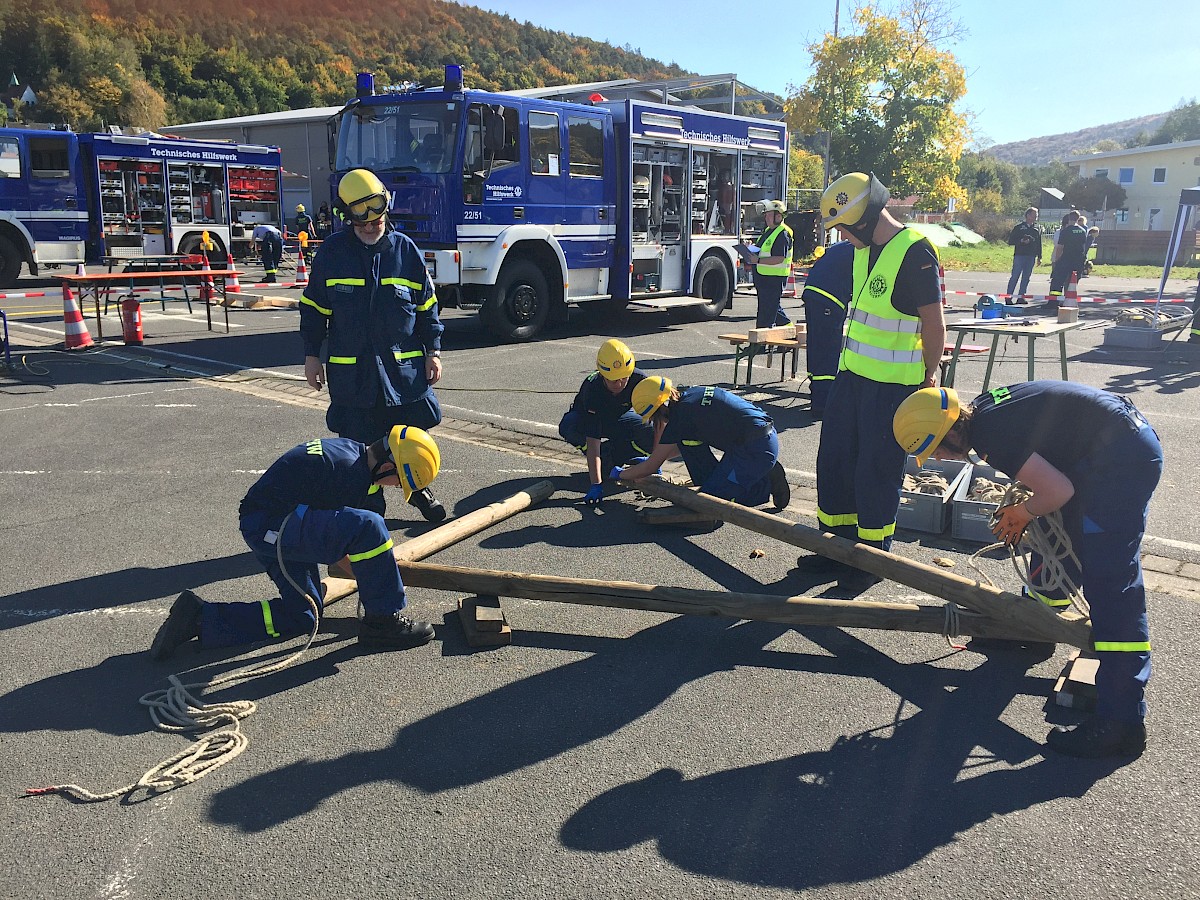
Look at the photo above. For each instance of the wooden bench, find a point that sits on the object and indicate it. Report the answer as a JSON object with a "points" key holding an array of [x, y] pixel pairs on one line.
{"points": [[785, 339]]}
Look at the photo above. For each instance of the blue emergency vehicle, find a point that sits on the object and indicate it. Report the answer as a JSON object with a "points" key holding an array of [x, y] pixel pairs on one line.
{"points": [[524, 205], [67, 198]]}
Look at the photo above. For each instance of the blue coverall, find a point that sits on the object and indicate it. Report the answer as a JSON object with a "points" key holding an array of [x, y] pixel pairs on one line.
{"points": [[324, 485], [1114, 460], [600, 414], [707, 417], [827, 293], [377, 309]]}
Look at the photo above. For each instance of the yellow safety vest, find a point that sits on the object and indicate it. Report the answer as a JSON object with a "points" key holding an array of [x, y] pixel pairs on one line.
{"points": [[785, 267], [882, 343]]}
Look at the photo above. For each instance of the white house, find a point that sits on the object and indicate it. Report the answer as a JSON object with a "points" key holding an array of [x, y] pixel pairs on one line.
{"points": [[1152, 177]]}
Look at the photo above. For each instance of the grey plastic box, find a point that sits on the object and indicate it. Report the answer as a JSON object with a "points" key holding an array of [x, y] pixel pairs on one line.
{"points": [[971, 520], [930, 512]]}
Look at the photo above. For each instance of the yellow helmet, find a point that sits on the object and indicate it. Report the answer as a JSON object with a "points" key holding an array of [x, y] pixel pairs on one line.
{"points": [[614, 361], [852, 199], [299, 207], [650, 394], [363, 196], [416, 457], [923, 419]]}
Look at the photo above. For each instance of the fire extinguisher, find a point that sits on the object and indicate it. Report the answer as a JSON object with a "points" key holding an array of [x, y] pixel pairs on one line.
{"points": [[131, 320]]}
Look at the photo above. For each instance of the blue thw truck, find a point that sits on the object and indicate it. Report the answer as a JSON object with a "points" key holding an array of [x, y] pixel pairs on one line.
{"points": [[523, 206], [68, 198]]}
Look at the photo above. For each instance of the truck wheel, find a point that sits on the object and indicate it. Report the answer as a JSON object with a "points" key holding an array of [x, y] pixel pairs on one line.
{"points": [[712, 283], [10, 263], [519, 308]]}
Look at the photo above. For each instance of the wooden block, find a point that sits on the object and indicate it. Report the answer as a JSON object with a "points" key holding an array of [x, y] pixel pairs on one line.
{"points": [[1076, 686], [673, 515], [467, 607], [758, 335], [488, 614]]}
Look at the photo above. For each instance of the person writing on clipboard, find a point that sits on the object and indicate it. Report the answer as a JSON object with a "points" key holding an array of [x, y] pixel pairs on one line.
{"points": [[772, 260]]}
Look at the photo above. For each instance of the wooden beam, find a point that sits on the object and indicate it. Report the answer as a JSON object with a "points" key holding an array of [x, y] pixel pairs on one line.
{"points": [[735, 605], [1031, 617], [450, 533]]}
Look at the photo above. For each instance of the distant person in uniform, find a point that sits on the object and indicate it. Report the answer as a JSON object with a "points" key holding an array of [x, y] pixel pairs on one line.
{"points": [[1026, 241]]}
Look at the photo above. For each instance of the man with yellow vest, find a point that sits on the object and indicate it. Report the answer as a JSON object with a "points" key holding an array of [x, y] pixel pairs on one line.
{"points": [[893, 346], [772, 265]]}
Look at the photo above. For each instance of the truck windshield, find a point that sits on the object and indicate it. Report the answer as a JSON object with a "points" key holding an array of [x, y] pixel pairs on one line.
{"points": [[402, 137]]}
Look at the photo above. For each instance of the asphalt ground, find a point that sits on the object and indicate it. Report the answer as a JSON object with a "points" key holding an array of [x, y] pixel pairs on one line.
{"points": [[605, 753]]}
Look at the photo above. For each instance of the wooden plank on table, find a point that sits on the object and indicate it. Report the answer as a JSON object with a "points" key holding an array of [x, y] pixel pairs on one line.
{"points": [[784, 332]]}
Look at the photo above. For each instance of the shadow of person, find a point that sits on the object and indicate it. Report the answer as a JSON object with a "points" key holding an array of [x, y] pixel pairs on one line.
{"points": [[872, 804], [515, 726]]}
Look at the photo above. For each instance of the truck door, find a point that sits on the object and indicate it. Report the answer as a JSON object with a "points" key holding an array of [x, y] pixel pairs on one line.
{"points": [[57, 209], [589, 208]]}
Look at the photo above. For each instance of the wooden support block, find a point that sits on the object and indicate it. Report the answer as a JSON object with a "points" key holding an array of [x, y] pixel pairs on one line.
{"points": [[488, 614], [779, 332], [1076, 686], [468, 611], [673, 515]]}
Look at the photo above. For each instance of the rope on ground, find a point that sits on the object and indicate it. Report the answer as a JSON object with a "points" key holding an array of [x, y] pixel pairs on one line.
{"points": [[178, 709]]}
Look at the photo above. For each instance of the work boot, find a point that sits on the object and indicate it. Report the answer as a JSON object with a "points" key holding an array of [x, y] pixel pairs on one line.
{"points": [[781, 491], [270, 279], [1099, 737], [430, 506], [393, 632], [183, 624]]}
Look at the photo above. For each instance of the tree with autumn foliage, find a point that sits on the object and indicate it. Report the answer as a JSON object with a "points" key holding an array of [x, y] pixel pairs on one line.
{"points": [[887, 92]]}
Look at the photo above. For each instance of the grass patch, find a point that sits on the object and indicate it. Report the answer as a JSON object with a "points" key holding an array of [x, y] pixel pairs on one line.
{"points": [[994, 257]]}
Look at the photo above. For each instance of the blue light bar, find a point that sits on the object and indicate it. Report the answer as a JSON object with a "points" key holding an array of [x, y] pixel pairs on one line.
{"points": [[454, 78], [364, 84]]}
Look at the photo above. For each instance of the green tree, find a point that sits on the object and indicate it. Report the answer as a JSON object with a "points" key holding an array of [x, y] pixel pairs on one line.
{"points": [[1095, 193], [1182, 124], [806, 171], [887, 93]]}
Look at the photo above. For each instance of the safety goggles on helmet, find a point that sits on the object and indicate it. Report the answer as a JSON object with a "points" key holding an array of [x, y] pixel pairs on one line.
{"points": [[367, 209]]}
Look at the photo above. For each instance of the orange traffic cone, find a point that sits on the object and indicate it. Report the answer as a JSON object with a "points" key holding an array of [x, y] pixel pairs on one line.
{"points": [[942, 283], [1071, 297], [301, 268], [207, 280], [77, 336], [232, 285], [789, 289]]}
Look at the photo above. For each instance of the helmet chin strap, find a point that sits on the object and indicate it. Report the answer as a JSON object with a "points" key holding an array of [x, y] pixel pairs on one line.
{"points": [[376, 474]]}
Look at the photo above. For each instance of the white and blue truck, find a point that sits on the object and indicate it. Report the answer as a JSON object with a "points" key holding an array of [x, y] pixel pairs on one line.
{"points": [[523, 206]]}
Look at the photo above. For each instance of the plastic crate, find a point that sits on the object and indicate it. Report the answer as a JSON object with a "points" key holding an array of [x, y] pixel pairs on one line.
{"points": [[971, 520], [930, 512]]}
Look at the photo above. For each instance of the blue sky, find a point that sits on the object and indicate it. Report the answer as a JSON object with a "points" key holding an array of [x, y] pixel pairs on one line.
{"points": [[1128, 59]]}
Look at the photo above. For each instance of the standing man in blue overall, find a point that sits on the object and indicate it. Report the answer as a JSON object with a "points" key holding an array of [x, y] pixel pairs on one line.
{"points": [[1093, 456], [691, 422], [270, 249], [371, 297], [827, 292], [772, 266], [600, 423], [308, 508], [893, 346]]}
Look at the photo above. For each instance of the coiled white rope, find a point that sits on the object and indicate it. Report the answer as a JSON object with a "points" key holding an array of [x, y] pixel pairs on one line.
{"points": [[178, 709]]}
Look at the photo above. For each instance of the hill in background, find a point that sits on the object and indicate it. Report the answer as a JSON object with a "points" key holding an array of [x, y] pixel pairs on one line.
{"points": [[1042, 150]]}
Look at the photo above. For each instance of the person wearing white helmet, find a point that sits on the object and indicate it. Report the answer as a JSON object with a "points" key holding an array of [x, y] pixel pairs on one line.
{"points": [[893, 346], [306, 509], [600, 423], [371, 303], [772, 265]]}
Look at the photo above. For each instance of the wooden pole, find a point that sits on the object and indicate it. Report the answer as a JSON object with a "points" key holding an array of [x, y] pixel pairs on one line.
{"points": [[1029, 615], [736, 605], [451, 533]]}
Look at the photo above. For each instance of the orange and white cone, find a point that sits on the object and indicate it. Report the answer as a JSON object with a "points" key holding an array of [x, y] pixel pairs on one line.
{"points": [[1071, 297], [789, 289], [232, 285], [207, 280], [76, 334], [942, 284], [301, 268]]}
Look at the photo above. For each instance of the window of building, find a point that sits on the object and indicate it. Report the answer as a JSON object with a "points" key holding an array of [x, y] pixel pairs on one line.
{"points": [[585, 146], [1102, 173], [10, 158], [49, 158], [545, 145], [1160, 175], [1121, 215], [1125, 176]]}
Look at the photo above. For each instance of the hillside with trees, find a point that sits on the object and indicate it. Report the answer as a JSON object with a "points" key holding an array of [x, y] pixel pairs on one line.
{"points": [[147, 63], [1041, 151]]}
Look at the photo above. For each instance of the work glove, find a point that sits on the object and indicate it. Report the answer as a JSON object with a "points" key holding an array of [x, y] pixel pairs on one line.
{"points": [[615, 474], [594, 495], [1010, 523]]}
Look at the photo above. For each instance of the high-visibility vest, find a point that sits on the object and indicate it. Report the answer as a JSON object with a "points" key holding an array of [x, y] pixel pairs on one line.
{"points": [[785, 267], [882, 343]]}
